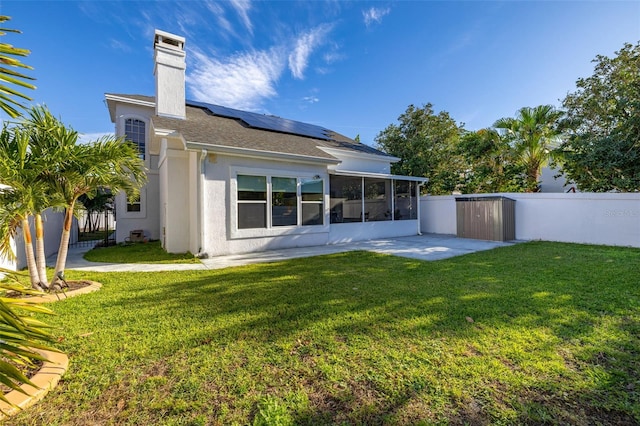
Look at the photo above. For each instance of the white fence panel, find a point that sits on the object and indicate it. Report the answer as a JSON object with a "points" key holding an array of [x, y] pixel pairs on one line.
{"points": [[611, 219]]}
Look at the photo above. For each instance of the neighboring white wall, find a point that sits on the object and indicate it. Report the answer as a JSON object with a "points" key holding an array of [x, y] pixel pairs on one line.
{"points": [[610, 219]]}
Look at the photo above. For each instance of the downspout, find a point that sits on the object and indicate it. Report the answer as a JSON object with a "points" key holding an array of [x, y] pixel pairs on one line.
{"points": [[418, 204], [203, 170]]}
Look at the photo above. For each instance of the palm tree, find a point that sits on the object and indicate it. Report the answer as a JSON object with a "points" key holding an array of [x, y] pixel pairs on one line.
{"points": [[9, 76], [534, 135], [75, 169], [23, 196]]}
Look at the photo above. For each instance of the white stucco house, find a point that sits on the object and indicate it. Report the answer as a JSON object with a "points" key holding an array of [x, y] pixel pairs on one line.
{"points": [[224, 181]]}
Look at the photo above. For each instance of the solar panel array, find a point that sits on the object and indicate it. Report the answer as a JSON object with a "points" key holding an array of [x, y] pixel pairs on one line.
{"points": [[267, 122]]}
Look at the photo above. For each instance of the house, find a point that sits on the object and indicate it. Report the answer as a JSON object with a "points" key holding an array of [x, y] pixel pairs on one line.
{"points": [[224, 181]]}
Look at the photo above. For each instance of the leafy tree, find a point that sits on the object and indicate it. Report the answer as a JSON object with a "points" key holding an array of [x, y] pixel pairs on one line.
{"points": [[426, 144], [602, 152], [10, 77], [491, 163], [534, 134]]}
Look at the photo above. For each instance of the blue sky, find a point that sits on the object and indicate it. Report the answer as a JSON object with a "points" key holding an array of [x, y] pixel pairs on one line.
{"points": [[353, 67]]}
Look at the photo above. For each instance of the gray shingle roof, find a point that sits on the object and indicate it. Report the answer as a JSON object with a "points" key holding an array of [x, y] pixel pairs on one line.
{"points": [[203, 127]]}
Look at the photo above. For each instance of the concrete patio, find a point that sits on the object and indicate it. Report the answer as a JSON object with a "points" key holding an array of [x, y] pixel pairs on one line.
{"points": [[422, 247]]}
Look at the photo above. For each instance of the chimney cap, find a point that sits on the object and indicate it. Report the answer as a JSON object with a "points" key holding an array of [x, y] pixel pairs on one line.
{"points": [[168, 40]]}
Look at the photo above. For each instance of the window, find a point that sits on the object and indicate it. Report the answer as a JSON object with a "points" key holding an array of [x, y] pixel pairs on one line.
{"points": [[377, 199], [312, 195], [284, 201], [134, 131], [405, 200], [135, 205], [278, 201], [346, 199], [252, 202]]}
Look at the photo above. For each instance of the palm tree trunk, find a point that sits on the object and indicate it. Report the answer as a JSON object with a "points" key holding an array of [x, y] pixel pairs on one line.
{"points": [[61, 261], [41, 260], [31, 260]]}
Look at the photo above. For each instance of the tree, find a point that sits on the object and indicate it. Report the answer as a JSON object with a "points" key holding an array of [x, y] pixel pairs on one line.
{"points": [[602, 152], [81, 169], [534, 134], [426, 143], [491, 163], [24, 196], [10, 77]]}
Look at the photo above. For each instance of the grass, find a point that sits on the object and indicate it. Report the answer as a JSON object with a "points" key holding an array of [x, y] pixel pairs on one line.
{"points": [[151, 252], [536, 333]]}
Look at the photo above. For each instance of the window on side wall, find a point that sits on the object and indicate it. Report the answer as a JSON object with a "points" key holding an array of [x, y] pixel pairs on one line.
{"points": [[134, 205], [252, 202], [312, 199], [284, 201], [135, 132], [279, 201]]}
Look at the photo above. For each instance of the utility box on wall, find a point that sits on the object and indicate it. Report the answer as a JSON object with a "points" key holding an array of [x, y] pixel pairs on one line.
{"points": [[486, 218]]}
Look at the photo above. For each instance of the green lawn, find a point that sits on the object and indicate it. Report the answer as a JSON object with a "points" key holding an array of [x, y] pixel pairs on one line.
{"points": [[151, 252], [535, 333]]}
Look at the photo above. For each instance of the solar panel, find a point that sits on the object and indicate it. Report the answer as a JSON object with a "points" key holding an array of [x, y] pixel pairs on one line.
{"points": [[267, 122]]}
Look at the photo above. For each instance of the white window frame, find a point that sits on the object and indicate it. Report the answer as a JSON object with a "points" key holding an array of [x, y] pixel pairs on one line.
{"points": [[120, 131], [271, 230], [143, 206]]}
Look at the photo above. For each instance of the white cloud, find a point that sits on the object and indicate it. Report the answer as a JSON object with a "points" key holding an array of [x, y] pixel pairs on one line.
{"points": [[241, 81], [242, 8], [374, 15], [311, 99], [305, 45]]}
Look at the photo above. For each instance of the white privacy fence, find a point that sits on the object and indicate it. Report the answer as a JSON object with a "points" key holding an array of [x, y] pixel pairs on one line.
{"points": [[611, 219]]}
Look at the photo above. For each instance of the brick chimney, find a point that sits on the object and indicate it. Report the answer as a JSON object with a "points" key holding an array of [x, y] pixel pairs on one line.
{"points": [[169, 70]]}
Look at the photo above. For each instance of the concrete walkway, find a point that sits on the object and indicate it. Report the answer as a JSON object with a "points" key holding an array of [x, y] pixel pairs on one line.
{"points": [[421, 247]]}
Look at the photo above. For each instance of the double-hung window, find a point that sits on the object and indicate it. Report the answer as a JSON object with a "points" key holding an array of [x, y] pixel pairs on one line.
{"points": [[279, 201], [252, 202]]}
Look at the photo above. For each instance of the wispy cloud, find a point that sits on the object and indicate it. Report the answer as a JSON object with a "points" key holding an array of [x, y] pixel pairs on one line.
{"points": [[242, 8], [311, 99], [119, 45], [241, 81], [374, 15], [304, 47]]}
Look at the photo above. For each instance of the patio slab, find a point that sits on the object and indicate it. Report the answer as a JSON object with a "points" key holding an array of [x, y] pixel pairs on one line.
{"points": [[422, 247]]}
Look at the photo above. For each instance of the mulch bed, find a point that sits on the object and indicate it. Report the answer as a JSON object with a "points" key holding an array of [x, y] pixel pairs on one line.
{"points": [[73, 285]]}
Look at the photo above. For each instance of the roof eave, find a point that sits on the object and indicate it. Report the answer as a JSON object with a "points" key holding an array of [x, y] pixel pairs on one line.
{"points": [[357, 154], [113, 99], [256, 153], [421, 180]]}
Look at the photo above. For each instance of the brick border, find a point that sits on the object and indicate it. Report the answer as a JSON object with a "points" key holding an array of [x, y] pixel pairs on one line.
{"points": [[51, 371], [45, 379]]}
